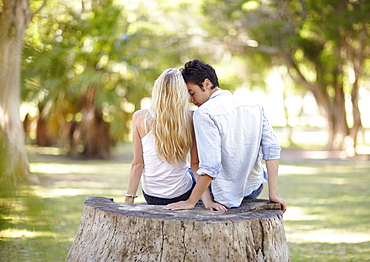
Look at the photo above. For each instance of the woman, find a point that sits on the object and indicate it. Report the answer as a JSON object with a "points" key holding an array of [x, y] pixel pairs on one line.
{"points": [[162, 138]]}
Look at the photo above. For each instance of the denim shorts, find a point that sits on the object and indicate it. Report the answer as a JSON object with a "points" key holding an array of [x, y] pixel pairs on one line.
{"points": [[254, 194], [258, 191], [152, 200]]}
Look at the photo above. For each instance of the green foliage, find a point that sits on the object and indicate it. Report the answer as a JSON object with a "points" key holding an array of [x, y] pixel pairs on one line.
{"points": [[229, 27], [72, 51], [120, 47], [321, 43], [116, 48]]}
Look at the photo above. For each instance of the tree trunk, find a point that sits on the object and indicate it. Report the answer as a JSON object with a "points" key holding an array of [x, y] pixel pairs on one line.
{"points": [[119, 232], [357, 56], [43, 136], [14, 164], [338, 127], [93, 132]]}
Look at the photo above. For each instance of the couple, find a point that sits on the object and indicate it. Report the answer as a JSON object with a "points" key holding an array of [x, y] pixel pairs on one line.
{"points": [[223, 136]]}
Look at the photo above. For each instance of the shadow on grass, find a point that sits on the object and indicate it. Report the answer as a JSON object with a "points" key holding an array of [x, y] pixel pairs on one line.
{"points": [[39, 222], [328, 210], [38, 228], [329, 252], [328, 216]]}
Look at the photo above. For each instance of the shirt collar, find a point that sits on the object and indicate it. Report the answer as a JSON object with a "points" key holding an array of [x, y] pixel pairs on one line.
{"points": [[220, 93]]}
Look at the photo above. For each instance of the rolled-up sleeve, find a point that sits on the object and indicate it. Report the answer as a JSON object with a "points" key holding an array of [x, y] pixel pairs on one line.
{"points": [[208, 143], [269, 143]]}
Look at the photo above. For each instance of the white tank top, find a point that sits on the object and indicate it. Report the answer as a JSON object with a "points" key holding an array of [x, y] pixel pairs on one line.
{"points": [[161, 179]]}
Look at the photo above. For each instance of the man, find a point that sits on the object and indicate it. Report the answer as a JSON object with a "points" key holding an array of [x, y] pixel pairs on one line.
{"points": [[229, 136]]}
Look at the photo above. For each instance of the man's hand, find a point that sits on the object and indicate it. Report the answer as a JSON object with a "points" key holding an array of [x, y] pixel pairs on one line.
{"points": [[277, 199], [182, 205], [215, 206]]}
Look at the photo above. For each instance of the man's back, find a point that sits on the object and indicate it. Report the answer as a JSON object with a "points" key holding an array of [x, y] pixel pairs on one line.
{"points": [[229, 135]]}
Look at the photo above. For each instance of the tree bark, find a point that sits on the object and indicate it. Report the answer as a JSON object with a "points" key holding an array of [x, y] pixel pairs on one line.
{"points": [[14, 165], [120, 232], [333, 109], [93, 132]]}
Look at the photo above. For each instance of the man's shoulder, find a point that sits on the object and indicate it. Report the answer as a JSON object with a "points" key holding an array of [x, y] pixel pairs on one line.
{"points": [[249, 106]]}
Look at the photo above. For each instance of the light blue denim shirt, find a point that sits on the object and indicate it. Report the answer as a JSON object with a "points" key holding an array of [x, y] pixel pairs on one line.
{"points": [[229, 135]]}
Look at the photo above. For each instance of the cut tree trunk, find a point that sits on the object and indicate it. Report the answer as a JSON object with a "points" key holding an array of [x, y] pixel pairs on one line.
{"points": [[111, 231]]}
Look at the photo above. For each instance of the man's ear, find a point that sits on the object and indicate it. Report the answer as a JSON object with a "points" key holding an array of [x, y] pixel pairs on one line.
{"points": [[207, 84]]}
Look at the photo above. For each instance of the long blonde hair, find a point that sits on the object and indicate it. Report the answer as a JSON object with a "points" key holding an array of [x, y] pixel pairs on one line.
{"points": [[170, 118]]}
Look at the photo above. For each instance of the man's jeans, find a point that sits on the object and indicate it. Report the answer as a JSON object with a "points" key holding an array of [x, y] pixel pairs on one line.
{"points": [[258, 191]]}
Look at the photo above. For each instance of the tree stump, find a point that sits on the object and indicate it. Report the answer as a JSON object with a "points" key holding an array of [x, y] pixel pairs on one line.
{"points": [[111, 231]]}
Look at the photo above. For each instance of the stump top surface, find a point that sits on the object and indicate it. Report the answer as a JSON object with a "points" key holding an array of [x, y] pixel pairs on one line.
{"points": [[250, 209]]}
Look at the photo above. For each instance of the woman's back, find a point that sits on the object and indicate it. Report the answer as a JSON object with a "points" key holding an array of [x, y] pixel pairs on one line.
{"points": [[160, 178], [162, 139]]}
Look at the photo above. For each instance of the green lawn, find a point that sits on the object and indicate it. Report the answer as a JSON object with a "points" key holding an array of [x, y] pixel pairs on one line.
{"points": [[328, 216]]}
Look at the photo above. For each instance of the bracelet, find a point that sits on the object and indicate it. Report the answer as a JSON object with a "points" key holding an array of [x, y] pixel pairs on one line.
{"points": [[128, 195]]}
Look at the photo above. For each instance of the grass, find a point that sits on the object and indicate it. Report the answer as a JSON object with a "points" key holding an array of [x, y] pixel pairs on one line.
{"points": [[328, 216]]}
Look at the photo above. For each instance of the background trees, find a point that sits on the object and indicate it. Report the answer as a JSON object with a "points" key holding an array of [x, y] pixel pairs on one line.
{"points": [[84, 64], [323, 44], [87, 64]]}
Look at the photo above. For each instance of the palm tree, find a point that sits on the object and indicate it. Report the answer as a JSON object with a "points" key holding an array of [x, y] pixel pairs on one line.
{"points": [[82, 76]]}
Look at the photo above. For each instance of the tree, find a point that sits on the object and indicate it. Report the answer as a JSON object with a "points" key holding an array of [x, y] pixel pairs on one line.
{"points": [[80, 66], [96, 58], [14, 18], [323, 44], [332, 37]]}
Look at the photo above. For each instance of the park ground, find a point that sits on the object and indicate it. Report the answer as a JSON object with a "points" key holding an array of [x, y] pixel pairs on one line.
{"points": [[328, 198]]}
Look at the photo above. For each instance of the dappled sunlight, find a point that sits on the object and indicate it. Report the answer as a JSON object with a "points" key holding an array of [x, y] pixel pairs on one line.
{"points": [[81, 178], [309, 231], [296, 213], [323, 154], [337, 181], [310, 170], [363, 150], [56, 168], [24, 233], [59, 192], [327, 236], [55, 151], [339, 199], [87, 184], [326, 199], [288, 170]]}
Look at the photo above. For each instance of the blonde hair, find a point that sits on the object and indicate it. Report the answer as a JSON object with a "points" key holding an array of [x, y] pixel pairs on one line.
{"points": [[170, 120]]}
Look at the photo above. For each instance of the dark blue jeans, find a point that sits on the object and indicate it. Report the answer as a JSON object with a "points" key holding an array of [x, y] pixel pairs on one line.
{"points": [[255, 193], [152, 200], [258, 191]]}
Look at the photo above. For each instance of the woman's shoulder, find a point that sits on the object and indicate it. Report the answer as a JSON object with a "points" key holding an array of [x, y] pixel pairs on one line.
{"points": [[140, 121], [140, 114]]}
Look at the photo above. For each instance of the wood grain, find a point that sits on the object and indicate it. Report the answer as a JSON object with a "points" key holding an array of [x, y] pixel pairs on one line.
{"points": [[112, 231]]}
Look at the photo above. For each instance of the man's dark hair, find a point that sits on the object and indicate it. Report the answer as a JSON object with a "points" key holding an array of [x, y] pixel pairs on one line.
{"points": [[196, 71]]}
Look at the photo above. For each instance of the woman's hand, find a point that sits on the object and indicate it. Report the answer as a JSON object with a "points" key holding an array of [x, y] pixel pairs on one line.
{"points": [[215, 206], [129, 200], [182, 205]]}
